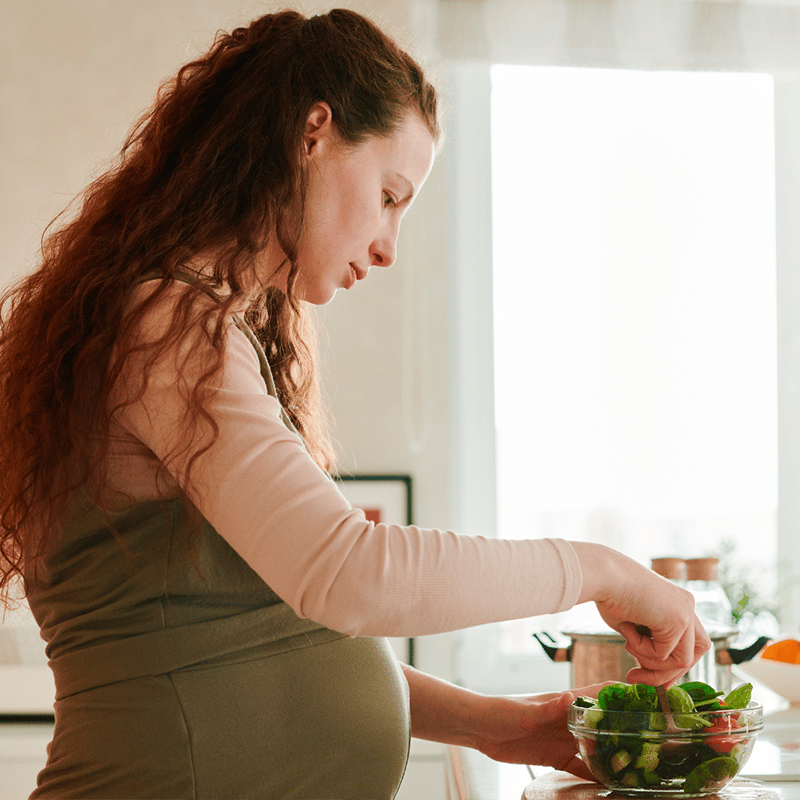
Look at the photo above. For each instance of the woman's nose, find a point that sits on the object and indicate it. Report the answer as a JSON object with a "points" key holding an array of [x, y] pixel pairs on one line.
{"points": [[384, 250]]}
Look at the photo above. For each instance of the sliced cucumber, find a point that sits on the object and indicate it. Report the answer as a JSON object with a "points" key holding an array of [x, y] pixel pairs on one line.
{"points": [[631, 780], [620, 760], [648, 758]]}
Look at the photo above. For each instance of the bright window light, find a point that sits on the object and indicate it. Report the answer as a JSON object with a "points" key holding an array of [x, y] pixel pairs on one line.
{"points": [[635, 309]]}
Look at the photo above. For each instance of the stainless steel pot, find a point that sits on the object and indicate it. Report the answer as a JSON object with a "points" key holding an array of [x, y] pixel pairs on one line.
{"points": [[600, 655]]}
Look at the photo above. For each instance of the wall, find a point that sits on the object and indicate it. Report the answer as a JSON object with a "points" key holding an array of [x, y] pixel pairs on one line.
{"points": [[73, 77]]}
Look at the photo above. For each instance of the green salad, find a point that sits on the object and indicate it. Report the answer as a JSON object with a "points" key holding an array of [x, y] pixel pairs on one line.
{"points": [[622, 739]]}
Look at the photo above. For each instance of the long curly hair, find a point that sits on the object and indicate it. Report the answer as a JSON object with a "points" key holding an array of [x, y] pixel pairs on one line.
{"points": [[213, 167]]}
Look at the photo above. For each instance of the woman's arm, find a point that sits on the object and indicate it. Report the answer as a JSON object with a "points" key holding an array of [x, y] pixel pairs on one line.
{"points": [[519, 730]]}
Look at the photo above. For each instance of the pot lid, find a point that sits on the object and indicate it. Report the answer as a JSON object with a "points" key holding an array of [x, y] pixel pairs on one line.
{"points": [[594, 632], [717, 631], [602, 633]]}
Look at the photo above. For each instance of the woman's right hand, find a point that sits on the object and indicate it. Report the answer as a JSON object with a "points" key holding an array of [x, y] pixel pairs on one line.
{"points": [[630, 598]]}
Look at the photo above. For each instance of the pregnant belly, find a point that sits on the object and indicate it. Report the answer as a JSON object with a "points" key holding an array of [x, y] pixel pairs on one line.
{"points": [[330, 720]]}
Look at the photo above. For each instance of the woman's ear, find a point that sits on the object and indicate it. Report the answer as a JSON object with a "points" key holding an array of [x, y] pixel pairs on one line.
{"points": [[318, 128]]}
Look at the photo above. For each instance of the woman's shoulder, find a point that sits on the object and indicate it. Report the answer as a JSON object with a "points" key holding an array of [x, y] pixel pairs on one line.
{"points": [[158, 307], [176, 324]]}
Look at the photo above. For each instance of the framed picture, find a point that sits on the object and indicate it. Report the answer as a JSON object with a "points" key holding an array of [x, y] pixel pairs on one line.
{"points": [[27, 690], [384, 498]]}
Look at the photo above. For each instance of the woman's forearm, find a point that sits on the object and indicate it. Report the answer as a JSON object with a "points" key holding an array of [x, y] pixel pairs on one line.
{"points": [[442, 711], [517, 729]]}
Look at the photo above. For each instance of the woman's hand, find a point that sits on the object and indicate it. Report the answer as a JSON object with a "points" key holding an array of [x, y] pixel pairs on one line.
{"points": [[533, 730], [632, 598]]}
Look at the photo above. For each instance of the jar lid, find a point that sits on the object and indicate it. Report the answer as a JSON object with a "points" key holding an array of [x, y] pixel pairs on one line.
{"points": [[672, 568], [702, 569]]}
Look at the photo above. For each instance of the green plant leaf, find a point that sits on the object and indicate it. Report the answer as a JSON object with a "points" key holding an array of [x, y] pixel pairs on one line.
{"points": [[700, 692]]}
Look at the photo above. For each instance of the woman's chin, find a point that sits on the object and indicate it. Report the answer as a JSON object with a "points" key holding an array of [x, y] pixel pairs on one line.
{"points": [[319, 297]]}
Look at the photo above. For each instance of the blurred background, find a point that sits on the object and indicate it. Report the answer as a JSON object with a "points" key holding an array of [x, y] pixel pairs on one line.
{"points": [[593, 326]]}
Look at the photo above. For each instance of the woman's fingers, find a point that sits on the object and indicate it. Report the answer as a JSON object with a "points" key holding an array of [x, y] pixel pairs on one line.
{"points": [[577, 766], [661, 661], [652, 650], [589, 691], [654, 677]]}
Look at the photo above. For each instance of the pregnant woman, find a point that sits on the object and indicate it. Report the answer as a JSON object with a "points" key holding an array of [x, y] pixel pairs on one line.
{"points": [[214, 609]]}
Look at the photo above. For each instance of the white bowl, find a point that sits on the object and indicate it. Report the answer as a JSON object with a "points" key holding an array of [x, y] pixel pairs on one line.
{"points": [[782, 678]]}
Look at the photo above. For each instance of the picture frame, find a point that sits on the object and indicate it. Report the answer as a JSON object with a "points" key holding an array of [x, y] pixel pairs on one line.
{"points": [[384, 498], [27, 688]]}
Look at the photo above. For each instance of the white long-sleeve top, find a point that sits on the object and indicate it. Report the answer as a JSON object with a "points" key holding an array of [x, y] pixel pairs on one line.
{"points": [[264, 494]]}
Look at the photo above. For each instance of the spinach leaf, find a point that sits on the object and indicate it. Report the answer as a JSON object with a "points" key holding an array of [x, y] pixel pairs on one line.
{"points": [[700, 692], [710, 774], [613, 697], [740, 696]]}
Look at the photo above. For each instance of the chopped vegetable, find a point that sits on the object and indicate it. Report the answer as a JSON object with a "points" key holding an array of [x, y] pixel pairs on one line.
{"points": [[620, 760], [648, 758]]}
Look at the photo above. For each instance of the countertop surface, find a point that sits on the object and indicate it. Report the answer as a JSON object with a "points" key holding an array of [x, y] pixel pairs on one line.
{"points": [[560, 786]]}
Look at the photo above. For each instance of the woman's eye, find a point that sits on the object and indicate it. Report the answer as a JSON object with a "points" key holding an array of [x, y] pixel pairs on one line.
{"points": [[388, 200]]}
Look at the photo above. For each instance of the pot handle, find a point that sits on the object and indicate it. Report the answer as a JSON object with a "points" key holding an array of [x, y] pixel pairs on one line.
{"points": [[731, 655], [555, 652]]}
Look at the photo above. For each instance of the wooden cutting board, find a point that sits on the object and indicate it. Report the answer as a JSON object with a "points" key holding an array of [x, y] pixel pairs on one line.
{"points": [[561, 786]]}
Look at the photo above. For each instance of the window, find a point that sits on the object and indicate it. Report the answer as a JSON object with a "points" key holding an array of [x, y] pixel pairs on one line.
{"points": [[635, 343], [635, 313]]}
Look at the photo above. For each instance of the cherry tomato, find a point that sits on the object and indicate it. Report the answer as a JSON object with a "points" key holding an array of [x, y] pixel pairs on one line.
{"points": [[726, 723]]}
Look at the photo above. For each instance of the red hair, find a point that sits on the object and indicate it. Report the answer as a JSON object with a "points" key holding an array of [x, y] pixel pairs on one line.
{"points": [[213, 167]]}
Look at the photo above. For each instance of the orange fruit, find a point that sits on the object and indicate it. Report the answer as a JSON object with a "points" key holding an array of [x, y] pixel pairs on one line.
{"points": [[786, 650]]}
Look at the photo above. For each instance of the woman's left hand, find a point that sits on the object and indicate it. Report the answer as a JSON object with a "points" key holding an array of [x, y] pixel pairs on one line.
{"points": [[533, 730]]}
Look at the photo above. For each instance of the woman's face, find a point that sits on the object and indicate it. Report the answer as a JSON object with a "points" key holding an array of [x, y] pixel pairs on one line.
{"points": [[355, 201]]}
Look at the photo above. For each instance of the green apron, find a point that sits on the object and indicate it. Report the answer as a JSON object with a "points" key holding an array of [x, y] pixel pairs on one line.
{"points": [[180, 674]]}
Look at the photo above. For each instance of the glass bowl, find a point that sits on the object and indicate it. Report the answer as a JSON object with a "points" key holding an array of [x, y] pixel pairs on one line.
{"points": [[631, 753]]}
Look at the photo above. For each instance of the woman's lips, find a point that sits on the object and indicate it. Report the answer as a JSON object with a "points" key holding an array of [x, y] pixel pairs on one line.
{"points": [[356, 274]]}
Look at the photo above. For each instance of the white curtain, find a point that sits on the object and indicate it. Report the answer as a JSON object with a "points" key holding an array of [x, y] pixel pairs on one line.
{"points": [[740, 35]]}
